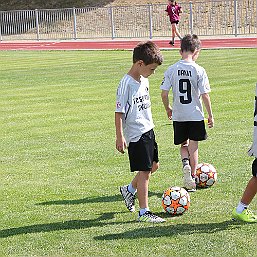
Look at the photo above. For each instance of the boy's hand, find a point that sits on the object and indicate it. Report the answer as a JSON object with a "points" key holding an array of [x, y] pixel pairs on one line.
{"points": [[121, 145], [169, 113], [210, 122]]}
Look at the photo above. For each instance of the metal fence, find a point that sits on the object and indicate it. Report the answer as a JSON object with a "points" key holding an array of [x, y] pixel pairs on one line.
{"points": [[205, 18]]}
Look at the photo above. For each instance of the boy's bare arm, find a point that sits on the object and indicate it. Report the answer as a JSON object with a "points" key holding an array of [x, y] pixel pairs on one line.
{"points": [[207, 104], [166, 103], [120, 140]]}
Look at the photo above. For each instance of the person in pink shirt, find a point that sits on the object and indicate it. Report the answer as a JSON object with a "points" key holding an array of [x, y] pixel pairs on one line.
{"points": [[173, 11]]}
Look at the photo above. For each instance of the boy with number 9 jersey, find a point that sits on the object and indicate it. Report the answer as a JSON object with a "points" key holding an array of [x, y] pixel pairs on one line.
{"points": [[190, 86]]}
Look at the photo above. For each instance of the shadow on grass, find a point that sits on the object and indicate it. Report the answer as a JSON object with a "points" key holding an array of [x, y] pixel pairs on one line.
{"points": [[98, 199], [65, 225], [172, 230]]}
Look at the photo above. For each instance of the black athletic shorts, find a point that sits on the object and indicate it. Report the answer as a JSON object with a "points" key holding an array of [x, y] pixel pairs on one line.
{"points": [[254, 168], [143, 153], [193, 130]]}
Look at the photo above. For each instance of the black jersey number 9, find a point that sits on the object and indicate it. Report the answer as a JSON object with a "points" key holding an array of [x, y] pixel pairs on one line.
{"points": [[185, 89]]}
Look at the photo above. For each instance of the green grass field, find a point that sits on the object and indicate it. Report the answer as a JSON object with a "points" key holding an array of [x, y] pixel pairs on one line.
{"points": [[60, 172]]}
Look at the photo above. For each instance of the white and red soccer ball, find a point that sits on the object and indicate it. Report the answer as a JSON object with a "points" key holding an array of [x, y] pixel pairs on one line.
{"points": [[206, 175], [175, 200]]}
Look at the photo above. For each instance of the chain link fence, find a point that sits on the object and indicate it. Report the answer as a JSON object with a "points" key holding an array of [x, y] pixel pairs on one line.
{"points": [[204, 18]]}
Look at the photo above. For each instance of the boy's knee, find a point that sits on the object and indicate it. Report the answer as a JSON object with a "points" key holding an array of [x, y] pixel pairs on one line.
{"points": [[155, 167], [184, 144]]}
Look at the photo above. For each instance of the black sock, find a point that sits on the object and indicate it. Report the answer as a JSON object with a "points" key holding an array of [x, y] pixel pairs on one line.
{"points": [[185, 161]]}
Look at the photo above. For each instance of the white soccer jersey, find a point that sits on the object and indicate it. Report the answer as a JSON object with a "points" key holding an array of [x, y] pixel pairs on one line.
{"points": [[253, 150], [133, 100], [188, 81]]}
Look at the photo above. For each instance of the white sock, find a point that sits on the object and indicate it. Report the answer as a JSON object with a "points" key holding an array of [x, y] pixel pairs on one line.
{"points": [[143, 211], [131, 189], [240, 207]]}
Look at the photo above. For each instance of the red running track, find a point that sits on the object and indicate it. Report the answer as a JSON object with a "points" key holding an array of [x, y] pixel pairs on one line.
{"points": [[123, 44]]}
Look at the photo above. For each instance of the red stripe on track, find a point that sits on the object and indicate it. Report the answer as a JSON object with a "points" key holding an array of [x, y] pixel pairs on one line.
{"points": [[123, 44]]}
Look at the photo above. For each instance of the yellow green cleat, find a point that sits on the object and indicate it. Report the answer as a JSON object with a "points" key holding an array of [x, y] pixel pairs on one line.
{"points": [[150, 217], [246, 216]]}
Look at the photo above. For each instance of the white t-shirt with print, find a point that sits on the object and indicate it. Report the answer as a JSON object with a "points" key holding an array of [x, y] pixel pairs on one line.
{"points": [[133, 100], [188, 81]]}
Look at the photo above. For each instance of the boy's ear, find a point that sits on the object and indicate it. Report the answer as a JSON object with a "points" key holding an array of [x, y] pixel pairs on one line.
{"points": [[140, 62], [195, 54]]}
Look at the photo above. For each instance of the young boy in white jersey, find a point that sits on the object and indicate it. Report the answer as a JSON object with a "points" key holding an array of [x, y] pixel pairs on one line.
{"points": [[241, 212], [134, 127], [189, 84]]}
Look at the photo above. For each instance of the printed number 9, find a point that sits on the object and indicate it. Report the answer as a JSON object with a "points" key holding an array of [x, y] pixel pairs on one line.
{"points": [[185, 88]]}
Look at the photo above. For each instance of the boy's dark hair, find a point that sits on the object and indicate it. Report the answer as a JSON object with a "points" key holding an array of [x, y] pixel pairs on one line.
{"points": [[148, 52], [190, 43]]}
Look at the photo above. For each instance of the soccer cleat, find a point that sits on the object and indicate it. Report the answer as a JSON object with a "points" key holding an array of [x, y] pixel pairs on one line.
{"points": [[128, 197], [150, 217], [189, 182], [246, 216], [171, 43]]}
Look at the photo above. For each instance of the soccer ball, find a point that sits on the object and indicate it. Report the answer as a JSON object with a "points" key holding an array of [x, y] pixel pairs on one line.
{"points": [[206, 175], [175, 200]]}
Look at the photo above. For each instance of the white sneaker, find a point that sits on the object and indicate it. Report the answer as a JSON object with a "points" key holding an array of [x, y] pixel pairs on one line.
{"points": [[128, 197], [189, 182]]}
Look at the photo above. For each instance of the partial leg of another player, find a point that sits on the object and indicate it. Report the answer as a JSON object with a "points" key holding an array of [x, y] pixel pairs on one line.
{"points": [[175, 32], [241, 212]]}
